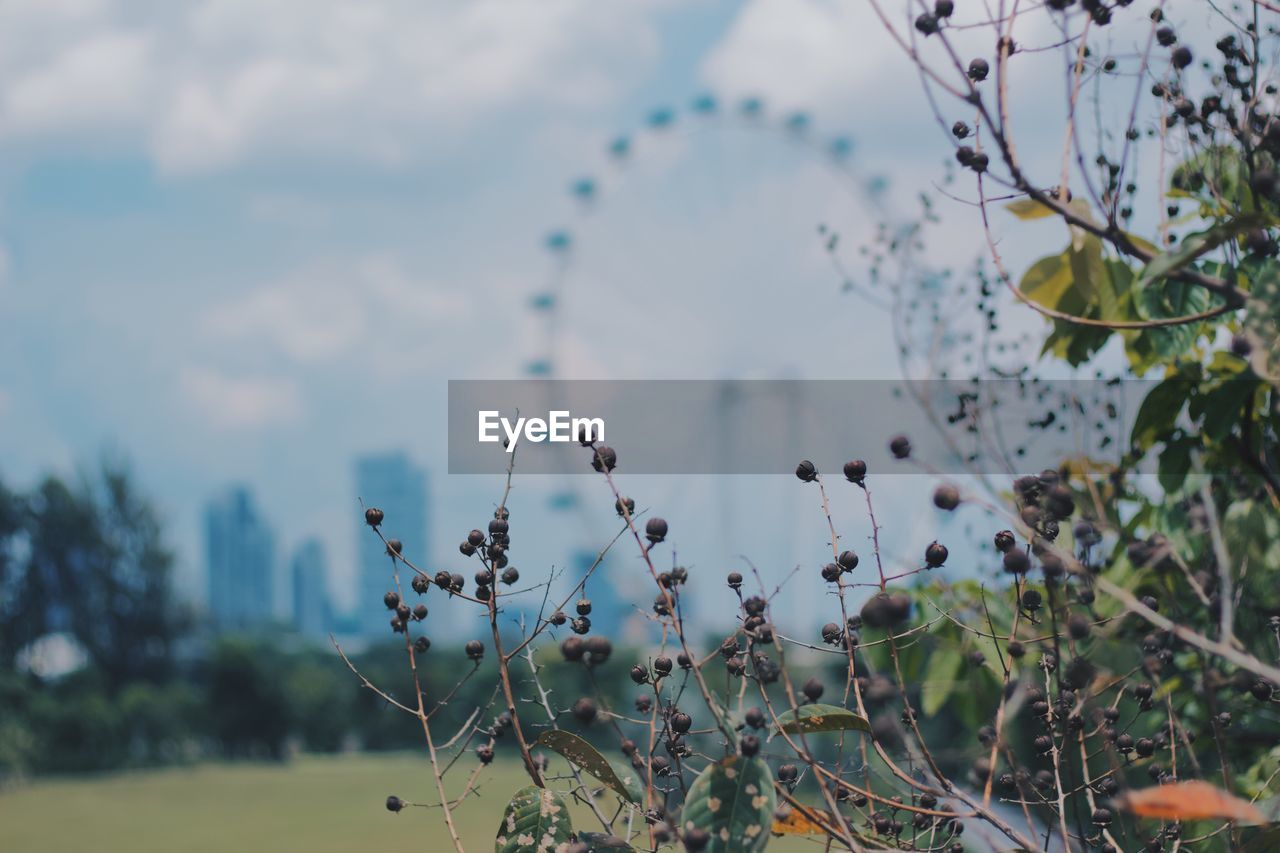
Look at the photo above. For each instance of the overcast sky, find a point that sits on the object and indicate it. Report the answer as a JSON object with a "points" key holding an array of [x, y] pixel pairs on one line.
{"points": [[247, 241]]}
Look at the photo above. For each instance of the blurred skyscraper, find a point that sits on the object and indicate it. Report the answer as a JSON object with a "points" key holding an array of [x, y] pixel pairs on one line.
{"points": [[240, 560], [392, 483], [309, 577]]}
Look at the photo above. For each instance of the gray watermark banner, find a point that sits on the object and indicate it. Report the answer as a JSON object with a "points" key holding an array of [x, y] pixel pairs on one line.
{"points": [[768, 426]]}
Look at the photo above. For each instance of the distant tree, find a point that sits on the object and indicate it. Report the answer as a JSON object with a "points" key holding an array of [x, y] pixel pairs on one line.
{"points": [[89, 559], [247, 700]]}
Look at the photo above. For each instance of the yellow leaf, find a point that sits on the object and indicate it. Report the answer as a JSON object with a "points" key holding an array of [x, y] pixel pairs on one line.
{"points": [[803, 821], [1029, 208]]}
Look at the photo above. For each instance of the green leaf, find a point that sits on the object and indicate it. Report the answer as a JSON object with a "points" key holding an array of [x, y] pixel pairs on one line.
{"points": [[821, 718], [1252, 533], [1264, 841], [1194, 246], [1048, 280], [586, 756], [1221, 407], [1167, 300], [1159, 411], [1175, 463], [733, 801], [536, 821], [941, 676], [1029, 208], [1087, 268]]}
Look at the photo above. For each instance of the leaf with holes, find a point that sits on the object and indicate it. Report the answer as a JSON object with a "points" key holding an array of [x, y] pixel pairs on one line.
{"points": [[732, 800], [586, 756], [536, 821], [1194, 800], [821, 718]]}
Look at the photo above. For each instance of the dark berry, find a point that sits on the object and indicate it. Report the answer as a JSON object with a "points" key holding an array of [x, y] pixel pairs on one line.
{"points": [[927, 23], [655, 530], [394, 803], [748, 745], [946, 497], [935, 555], [855, 471], [1017, 562], [978, 71], [572, 648], [806, 472], [900, 447], [585, 709], [599, 648], [373, 516], [604, 458]]}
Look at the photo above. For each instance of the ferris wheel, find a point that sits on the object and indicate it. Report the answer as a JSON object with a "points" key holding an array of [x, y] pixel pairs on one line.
{"points": [[794, 134]]}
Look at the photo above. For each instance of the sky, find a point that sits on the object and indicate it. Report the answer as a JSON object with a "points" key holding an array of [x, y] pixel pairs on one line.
{"points": [[246, 242]]}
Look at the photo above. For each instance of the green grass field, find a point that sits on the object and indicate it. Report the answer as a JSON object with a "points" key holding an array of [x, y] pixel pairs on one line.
{"points": [[312, 804]]}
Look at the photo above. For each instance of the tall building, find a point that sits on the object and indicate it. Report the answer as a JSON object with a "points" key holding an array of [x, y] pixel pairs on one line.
{"points": [[240, 560], [393, 484], [309, 579]]}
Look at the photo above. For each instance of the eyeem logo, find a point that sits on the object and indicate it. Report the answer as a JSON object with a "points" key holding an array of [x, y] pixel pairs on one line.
{"points": [[558, 426]]}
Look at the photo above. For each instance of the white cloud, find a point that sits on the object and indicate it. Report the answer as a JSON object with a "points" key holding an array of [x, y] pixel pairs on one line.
{"points": [[100, 80], [227, 402], [806, 53], [209, 84], [838, 58], [327, 311]]}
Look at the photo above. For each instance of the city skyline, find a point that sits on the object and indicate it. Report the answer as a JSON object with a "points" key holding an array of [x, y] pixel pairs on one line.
{"points": [[239, 560]]}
